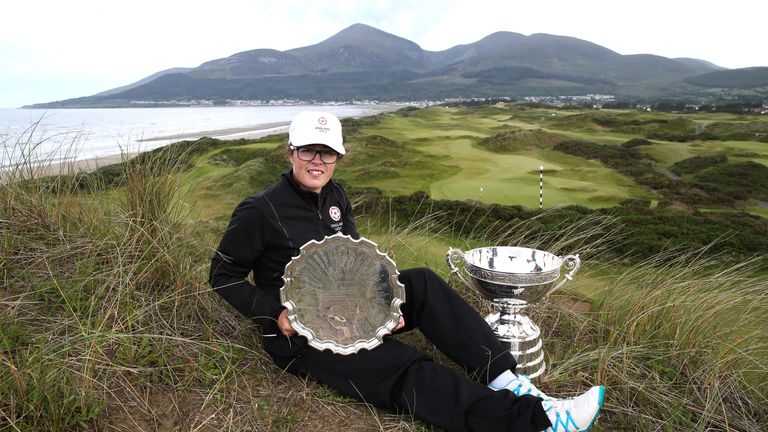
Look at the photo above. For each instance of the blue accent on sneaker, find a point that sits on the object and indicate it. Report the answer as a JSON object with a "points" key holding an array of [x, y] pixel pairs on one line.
{"points": [[565, 424], [563, 420], [521, 385], [525, 382], [600, 406]]}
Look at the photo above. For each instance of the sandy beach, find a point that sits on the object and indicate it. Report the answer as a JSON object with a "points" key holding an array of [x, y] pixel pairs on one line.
{"points": [[62, 168], [256, 131], [90, 164]]}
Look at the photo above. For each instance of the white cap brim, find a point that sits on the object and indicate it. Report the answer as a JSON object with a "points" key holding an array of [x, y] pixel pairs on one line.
{"points": [[315, 127]]}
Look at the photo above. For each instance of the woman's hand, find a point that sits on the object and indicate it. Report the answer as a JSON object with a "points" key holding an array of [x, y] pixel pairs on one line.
{"points": [[400, 324], [284, 324]]}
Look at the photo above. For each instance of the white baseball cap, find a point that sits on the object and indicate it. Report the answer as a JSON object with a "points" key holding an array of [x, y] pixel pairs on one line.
{"points": [[315, 127]]}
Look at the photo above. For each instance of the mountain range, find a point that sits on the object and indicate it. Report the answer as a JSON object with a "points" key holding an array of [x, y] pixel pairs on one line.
{"points": [[362, 62]]}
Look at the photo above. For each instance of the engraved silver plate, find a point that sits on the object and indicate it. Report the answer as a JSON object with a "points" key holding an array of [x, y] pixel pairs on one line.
{"points": [[342, 294]]}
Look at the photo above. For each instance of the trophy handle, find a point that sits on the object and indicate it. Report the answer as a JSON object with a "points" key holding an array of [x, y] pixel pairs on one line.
{"points": [[454, 257], [571, 262]]}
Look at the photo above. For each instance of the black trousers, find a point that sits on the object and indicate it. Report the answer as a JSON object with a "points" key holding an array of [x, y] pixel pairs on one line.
{"points": [[396, 376]]}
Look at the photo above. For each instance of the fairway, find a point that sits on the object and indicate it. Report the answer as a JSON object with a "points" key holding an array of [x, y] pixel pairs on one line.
{"points": [[441, 150], [667, 153], [501, 178], [514, 179]]}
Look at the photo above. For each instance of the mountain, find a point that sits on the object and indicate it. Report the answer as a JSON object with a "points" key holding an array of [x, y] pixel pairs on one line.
{"points": [[143, 81], [357, 48], [701, 66], [251, 64], [362, 62], [364, 48], [735, 79]]}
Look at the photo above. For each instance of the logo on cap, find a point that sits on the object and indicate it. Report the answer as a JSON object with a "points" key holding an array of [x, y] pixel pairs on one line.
{"points": [[322, 121], [335, 213]]}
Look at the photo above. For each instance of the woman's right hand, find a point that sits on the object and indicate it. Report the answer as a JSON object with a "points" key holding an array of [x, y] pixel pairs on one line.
{"points": [[284, 324]]}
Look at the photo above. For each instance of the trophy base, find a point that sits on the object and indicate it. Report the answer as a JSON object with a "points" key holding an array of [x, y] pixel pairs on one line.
{"points": [[522, 338]]}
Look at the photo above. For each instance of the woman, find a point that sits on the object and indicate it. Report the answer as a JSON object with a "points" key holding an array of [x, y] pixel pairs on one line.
{"points": [[305, 204]]}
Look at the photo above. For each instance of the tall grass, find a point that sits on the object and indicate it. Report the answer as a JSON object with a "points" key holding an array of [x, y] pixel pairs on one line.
{"points": [[693, 338], [107, 322], [679, 341], [102, 300]]}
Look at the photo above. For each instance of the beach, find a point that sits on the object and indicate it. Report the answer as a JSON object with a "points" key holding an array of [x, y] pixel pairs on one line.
{"points": [[108, 140], [90, 164], [257, 131]]}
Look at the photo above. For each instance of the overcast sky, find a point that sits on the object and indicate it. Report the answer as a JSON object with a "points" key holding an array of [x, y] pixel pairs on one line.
{"points": [[60, 49]]}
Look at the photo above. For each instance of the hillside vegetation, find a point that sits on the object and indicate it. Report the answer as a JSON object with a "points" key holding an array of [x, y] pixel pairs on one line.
{"points": [[740, 78], [107, 322]]}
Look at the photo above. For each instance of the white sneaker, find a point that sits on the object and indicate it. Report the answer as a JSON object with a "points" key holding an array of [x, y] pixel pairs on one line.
{"points": [[574, 414], [521, 385]]}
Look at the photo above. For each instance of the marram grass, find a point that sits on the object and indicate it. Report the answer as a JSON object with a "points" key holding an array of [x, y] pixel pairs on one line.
{"points": [[107, 322]]}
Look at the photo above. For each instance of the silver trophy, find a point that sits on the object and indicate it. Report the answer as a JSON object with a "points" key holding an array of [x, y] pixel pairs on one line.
{"points": [[342, 294], [511, 278]]}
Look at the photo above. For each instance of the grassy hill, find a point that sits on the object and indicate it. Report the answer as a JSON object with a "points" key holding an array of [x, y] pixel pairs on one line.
{"points": [[107, 322], [737, 78]]}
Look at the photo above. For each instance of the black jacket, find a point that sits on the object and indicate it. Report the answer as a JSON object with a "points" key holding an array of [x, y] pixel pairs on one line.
{"points": [[265, 232]]}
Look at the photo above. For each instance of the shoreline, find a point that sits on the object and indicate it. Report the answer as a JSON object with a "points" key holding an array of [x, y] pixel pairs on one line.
{"points": [[93, 163], [255, 131], [69, 167], [77, 166]]}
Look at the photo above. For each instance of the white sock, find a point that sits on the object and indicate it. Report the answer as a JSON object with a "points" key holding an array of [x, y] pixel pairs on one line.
{"points": [[503, 379]]}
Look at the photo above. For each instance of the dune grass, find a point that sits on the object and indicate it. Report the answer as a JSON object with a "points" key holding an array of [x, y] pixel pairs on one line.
{"points": [[107, 322]]}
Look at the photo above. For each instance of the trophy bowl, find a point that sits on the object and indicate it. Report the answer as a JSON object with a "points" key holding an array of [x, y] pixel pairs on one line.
{"points": [[508, 272], [511, 278]]}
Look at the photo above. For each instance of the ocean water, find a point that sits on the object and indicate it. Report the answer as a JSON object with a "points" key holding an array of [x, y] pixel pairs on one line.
{"points": [[59, 135]]}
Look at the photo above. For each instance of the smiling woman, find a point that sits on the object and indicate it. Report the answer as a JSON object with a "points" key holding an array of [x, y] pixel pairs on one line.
{"points": [[315, 144], [269, 230]]}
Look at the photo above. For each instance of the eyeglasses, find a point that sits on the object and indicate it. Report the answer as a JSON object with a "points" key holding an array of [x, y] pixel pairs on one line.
{"points": [[308, 154]]}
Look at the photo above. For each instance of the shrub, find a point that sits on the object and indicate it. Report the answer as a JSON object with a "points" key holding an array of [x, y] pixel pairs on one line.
{"points": [[236, 156], [518, 139], [627, 160], [636, 142], [741, 180], [696, 164]]}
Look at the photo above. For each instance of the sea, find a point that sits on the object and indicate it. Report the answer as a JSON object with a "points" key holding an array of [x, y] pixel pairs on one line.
{"points": [[37, 136]]}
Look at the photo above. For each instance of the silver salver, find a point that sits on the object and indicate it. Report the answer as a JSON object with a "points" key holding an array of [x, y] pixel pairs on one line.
{"points": [[511, 278], [342, 294]]}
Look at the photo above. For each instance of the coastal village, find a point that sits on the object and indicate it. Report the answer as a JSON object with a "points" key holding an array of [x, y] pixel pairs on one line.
{"points": [[595, 101]]}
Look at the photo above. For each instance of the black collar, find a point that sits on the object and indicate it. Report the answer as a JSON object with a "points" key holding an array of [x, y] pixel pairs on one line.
{"points": [[314, 196]]}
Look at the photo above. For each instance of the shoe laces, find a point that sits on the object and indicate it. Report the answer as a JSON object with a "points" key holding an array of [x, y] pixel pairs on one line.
{"points": [[522, 388], [563, 413], [563, 421], [522, 385]]}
